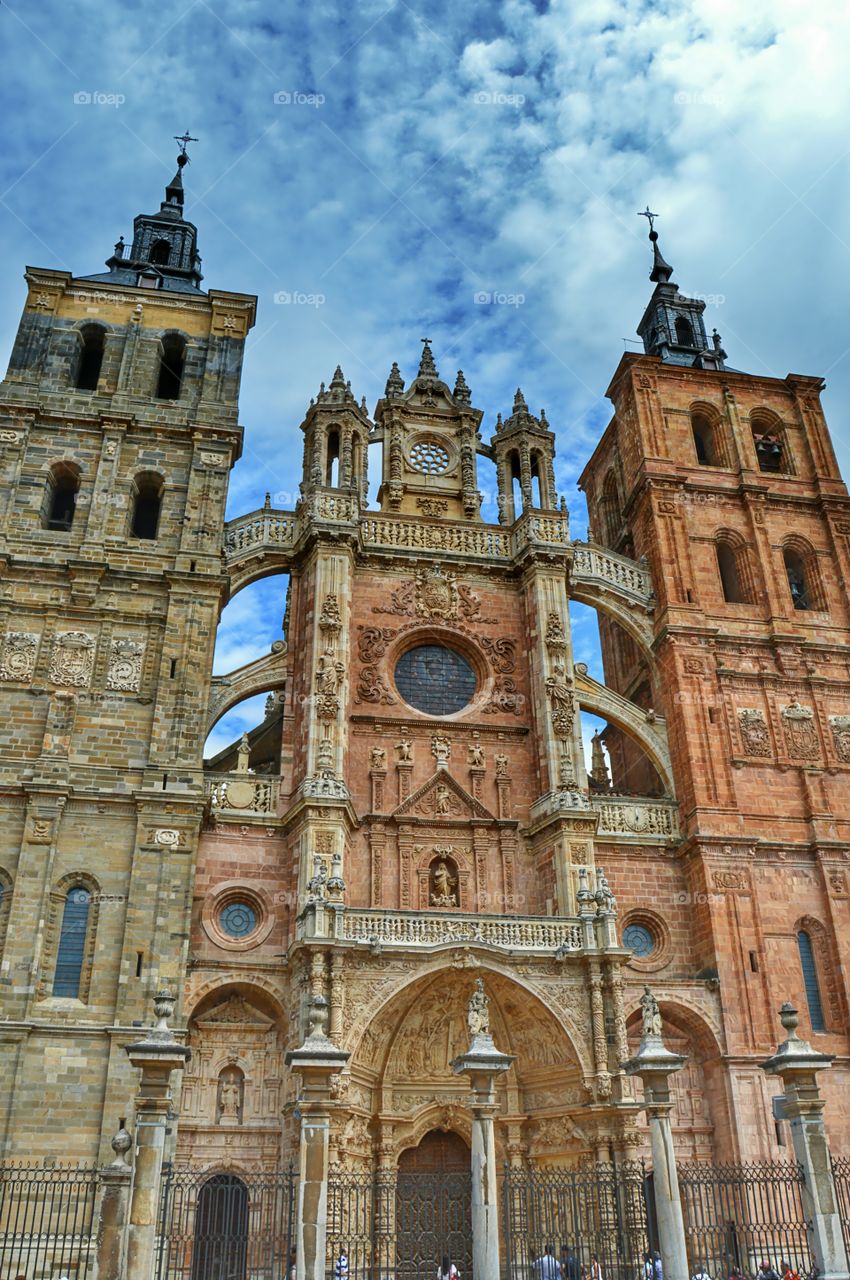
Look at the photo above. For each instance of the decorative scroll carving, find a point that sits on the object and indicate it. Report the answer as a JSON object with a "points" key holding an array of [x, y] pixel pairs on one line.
{"points": [[432, 506], [502, 654], [18, 655], [840, 726], [800, 732], [754, 732], [504, 697], [730, 880], [125, 665], [72, 659], [371, 647]]}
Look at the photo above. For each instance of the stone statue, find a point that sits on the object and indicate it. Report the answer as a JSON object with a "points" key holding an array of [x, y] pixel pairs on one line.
{"points": [[405, 750], [501, 762], [229, 1096], [651, 1014], [377, 758], [441, 750], [317, 884], [243, 755], [475, 755], [444, 883], [560, 702], [478, 1013], [442, 799]]}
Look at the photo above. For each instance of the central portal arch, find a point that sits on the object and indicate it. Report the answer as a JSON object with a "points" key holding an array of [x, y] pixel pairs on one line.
{"points": [[434, 1206]]}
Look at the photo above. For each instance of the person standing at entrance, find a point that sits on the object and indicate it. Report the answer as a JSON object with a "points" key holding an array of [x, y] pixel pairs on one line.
{"points": [[447, 1270], [547, 1267]]}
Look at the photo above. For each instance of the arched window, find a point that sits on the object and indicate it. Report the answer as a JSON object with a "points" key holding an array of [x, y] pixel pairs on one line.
{"points": [[810, 981], [73, 935], [798, 585], [147, 504], [704, 440], [516, 484], [171, 367], [536, 489], [91, 357], [332, 460], [611, 509], [60, 498], [684, 332], [768, 442], [160, 253], [729, 568]]}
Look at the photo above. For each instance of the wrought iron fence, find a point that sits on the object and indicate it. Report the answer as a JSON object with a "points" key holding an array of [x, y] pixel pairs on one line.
{"points": [[841, 1174], [599, 1211], [399, 1226], [738, 1214], [226, 1226], [46, 1219]]}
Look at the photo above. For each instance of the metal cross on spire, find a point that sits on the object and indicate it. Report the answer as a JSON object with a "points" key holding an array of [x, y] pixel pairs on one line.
{"points": [[644, 213], [187, 137]]}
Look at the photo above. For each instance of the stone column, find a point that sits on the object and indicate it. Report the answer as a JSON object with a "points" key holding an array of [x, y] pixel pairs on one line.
{"points": [[315, 1061], [110, 1214], [655, 1064], [156, 1056], [797, 1064], [482, 1063]]}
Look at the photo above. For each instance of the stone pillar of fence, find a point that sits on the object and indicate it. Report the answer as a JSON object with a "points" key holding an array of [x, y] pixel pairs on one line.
{"points": [[482, 1063], [315, 1061], [654, 1064], [110, 1211], [797, 1064], [157, 1056]]}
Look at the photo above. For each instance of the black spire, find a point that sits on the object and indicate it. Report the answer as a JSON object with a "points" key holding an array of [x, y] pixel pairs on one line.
{"points": [[672, 327], [164, 253]]}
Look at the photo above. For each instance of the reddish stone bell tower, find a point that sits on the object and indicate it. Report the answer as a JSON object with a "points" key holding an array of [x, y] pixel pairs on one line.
{"points": [[728, 485]]}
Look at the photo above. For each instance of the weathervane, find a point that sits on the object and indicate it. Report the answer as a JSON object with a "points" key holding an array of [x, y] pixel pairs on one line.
{"points": [[187, 137], [644, 213]]}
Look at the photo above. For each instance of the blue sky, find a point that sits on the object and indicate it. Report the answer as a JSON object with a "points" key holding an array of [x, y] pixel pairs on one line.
{"points": [[419, 155]]}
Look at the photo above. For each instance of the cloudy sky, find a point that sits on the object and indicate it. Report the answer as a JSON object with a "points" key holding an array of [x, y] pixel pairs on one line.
{"points": [[385, 164]]}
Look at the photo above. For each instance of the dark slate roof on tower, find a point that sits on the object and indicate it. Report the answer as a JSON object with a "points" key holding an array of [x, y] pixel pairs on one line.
{"points": [[672, 326], [164, 253]]}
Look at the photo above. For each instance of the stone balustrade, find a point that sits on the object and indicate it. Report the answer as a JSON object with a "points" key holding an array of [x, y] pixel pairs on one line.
{"points": [[594, 565], [624, 816], [259, 529], [404, 929], [242, 792]]}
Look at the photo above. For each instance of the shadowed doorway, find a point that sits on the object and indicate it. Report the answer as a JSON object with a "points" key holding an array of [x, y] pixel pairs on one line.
{"points": [[221, 1230], [434, 1207]]}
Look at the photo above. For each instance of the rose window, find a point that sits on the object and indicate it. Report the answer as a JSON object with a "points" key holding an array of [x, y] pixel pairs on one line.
{"points": [[238, 919], [429, 457]]}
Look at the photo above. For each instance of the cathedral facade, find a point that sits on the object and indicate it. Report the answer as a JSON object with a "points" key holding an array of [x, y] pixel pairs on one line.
{"points": [[415, 810]]}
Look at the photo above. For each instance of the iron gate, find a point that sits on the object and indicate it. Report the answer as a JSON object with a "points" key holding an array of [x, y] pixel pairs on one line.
{"points": [[841, 1175], [224, 1225], [399, 1225], [599, 1210], [737, 1214], [46, 1219]]}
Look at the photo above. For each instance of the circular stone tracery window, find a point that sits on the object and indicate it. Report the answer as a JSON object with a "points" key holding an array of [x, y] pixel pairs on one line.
{"points": [[429, 456], [238, 919], [435, 679], [639, 939]]}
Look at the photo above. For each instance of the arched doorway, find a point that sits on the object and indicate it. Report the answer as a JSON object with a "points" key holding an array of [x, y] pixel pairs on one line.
{"points": [[433, 1207], [220, 1249]]}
